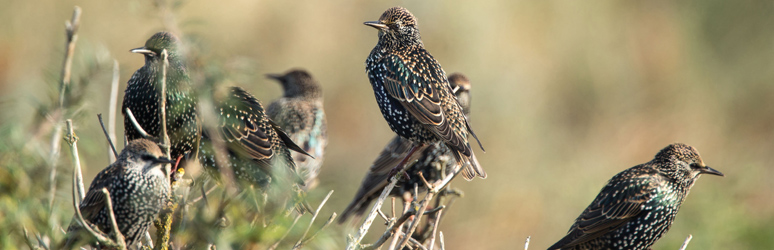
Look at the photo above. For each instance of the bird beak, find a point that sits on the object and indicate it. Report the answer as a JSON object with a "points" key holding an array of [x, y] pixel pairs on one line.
{"points": [[143, 50], [376, 25], [709, 170], [165, 160], [277, 77]]}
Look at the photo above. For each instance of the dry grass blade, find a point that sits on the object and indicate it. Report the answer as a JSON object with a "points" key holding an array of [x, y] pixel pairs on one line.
{"points": [[526, 243], [137, 126], [114, 225]]}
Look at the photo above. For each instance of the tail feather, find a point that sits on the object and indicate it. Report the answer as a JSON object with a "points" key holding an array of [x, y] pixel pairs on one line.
{"points": [[470, 166]]}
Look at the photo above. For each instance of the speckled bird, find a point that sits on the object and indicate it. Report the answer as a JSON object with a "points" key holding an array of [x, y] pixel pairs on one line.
{"points": [[638, 205], [300, 114], [139, 187], [434, 161], [142, 92], [413, 92], [257, 148]]}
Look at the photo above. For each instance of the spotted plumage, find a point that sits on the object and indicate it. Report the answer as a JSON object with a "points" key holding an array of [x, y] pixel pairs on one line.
{"points": [[434, 161], [257, 148], [638, 205], [412, 90], [139, 186], [300, 114], [142, 92]]}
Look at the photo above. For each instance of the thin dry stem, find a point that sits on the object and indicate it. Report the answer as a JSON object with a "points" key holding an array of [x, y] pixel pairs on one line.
{"points": [[112, 107], [110, 141], [137, 126], [78, 195], [276, 244], [163, 104], [442, 243], [72, 140], [355, 243], [113, 224], [314, 216], [71, 32], [685, 243], [526, 243]]}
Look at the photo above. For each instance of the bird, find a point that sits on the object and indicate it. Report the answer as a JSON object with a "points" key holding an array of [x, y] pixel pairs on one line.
{"points": [[639, 204], [258, 150], [300, 114], [434, 161], [413, 92], [138, 184], [142, 97]]}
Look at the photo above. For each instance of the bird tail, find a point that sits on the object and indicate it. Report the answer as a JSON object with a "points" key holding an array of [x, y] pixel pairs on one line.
{"points": [[470, 166]]}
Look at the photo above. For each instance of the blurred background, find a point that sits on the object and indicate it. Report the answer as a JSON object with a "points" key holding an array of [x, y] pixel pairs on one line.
{"points": [[565, 95]]}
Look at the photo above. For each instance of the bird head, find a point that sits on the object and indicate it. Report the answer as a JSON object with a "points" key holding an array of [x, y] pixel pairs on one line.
{"points": [[684, 160], [147, 155], [397, 28], [156, 44], [297, 82], [461, 87]]}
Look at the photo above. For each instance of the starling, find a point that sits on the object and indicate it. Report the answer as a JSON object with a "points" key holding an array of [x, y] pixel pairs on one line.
{"points": [[434, 161], [257, 147], [638, 205], [413, 92], [139, 187], [300, 114], [142, 92]]}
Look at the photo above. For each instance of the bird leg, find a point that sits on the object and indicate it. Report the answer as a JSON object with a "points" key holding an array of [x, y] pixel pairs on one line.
{"points": [[402, 163], [174, 168]]}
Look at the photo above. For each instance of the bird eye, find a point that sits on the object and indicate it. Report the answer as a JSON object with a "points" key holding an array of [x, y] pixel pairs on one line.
{"points": [[147, 158], [695, 165]]}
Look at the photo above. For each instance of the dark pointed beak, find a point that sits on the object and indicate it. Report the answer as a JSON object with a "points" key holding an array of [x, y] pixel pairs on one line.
{"points": [[143, 50], [277, 77], [376, 25], [164, 160], [712, 171]]}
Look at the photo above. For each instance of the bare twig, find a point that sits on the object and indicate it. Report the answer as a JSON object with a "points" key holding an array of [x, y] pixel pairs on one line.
{"points": [[77, 193], [314, 216], [165, 218], [110, 141], [399, 230], [114, 225], [435, 228], [393, 229], [72, 140], [276, 244], [137, 125], [112, 108], [327, 223], [355, 243], [71, 29], [685, 243], [441, 243], [163, 104], [526, 243], [415, 242]]}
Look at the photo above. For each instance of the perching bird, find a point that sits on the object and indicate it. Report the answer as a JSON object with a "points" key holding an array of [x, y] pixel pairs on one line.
{"points": [[638, 205], [434, 161], [413, 92], [138, 184], [300, 114], [258, 150], [142, 92]]}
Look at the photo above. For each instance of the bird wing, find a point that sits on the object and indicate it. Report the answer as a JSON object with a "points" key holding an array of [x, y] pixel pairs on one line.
{"points": [[243, 130], [620, 201], [419, 86]]}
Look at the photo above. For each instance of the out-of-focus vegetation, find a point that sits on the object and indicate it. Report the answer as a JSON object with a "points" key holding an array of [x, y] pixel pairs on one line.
{"points": [[565, 95]]}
